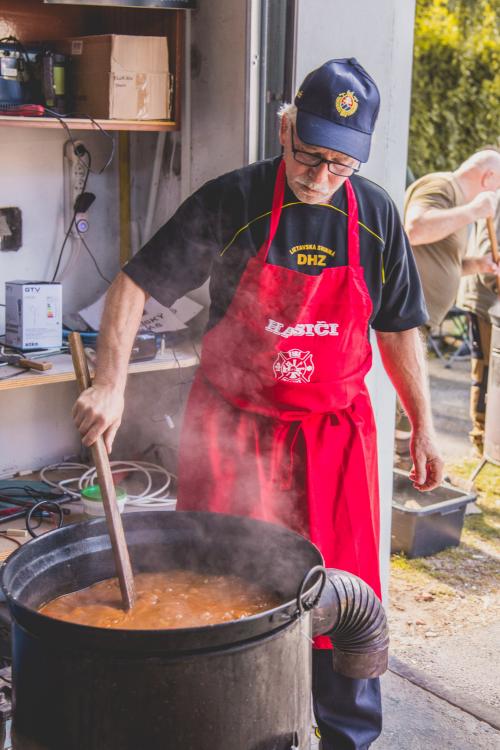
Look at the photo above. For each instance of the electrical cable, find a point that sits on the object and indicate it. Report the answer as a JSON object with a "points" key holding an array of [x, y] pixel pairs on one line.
{"points": [[147, 498], [5, 535], [70, 136], [87, 248]]}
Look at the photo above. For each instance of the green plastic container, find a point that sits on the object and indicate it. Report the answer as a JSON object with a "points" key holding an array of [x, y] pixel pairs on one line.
{"points": [[92, 500]]}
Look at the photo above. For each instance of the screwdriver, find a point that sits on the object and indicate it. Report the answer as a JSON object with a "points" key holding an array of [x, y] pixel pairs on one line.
{"points": [[22, 110]]}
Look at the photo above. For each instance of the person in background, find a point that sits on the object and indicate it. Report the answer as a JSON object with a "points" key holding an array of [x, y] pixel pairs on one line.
{"points": [[303, 256], [438, 209], [477, 293]]}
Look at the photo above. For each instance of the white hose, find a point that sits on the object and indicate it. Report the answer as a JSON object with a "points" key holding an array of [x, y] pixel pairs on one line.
{"points": [[88, 476]]}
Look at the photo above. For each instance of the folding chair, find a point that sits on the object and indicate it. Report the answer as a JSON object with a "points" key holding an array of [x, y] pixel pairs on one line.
{"points": [[460, 333]]}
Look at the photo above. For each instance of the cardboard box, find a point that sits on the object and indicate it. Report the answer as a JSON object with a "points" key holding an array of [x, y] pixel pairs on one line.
{"points": [[119, 77], [33, 314]]}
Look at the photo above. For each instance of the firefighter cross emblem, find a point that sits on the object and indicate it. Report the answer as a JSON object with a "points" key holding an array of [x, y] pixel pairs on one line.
{"points": [[294, 366]]}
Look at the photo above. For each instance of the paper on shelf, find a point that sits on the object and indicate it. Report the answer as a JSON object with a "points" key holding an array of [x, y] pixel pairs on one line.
{"points": [[156, 317]]}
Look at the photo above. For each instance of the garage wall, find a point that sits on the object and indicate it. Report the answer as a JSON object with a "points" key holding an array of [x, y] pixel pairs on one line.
{"points": [[36, 423]]}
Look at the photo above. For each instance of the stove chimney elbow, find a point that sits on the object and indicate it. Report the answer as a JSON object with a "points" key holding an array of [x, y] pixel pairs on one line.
{"points": [[352, 616]]}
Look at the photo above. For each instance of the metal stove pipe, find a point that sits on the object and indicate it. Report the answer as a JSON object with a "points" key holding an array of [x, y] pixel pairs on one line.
{"points": [[492, 424], [351, 615]]}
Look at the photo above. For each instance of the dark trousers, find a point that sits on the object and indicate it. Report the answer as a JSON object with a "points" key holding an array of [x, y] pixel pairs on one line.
{"points": [[348, 712]]}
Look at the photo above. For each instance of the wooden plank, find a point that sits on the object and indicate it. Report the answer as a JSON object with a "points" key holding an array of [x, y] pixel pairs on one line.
{"points": [[178, 68], [185, 355], [125, 210], [82, 124], [33, 21], [106, 486]]}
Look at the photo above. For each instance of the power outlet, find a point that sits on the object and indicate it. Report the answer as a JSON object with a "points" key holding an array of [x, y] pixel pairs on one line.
{"points": [[75, 173]]}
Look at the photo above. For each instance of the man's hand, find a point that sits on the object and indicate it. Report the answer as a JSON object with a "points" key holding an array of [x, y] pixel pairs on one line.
{"points": [[484, 204], [427, 471], [479, 264], [486, 264], [98, 411]]}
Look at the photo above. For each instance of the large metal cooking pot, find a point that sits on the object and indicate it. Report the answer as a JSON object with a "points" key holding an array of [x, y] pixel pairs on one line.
{"points": [[241, 685]]}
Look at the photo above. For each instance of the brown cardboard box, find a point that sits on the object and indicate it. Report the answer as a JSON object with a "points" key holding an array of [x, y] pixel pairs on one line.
{"points": [[119, 77]]}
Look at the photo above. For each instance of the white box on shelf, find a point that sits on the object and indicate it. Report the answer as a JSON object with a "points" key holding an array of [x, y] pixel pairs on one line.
{"points": [[33, 314]]}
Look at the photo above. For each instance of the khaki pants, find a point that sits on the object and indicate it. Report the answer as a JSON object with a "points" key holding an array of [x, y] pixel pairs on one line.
{"points": [[480, 335]]}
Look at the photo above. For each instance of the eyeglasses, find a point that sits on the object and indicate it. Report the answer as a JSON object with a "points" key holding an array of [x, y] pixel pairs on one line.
{"points": [[314, 160]]}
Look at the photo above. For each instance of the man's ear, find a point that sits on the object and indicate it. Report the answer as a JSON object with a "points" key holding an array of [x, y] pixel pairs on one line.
{"points": [[284, 125], [487, 180]]}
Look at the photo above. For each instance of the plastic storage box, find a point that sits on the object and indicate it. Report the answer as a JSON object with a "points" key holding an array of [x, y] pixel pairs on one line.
{"points": [[424, 523]]}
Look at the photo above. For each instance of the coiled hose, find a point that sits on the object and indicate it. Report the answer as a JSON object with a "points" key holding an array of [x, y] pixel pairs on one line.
{"points": [[352, 616]]}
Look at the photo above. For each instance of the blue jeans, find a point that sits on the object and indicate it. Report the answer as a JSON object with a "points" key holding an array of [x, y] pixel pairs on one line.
{"points": [[348, 712]]}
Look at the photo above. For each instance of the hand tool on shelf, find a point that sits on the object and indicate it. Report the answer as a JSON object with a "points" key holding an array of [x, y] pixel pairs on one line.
{"points": [[22, 110], [107, 487], [17, 360]]}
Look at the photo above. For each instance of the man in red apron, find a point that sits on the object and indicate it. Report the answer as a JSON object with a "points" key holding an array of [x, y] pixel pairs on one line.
{"points": [[279, 424]]}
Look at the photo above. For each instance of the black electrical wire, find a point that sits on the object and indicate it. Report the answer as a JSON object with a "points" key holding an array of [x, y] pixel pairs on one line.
{"points": [[44, 506], [68, 232], [4, 535], [87, 248], [14, 375], [70, 136]]}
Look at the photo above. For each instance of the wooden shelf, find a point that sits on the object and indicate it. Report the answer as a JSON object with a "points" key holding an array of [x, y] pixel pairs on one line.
{"points": [[32, 21], [185, 355], [83, 124]]}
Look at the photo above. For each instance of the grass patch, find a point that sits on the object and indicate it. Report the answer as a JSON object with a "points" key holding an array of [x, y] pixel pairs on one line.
{"points": [[403, 563]]}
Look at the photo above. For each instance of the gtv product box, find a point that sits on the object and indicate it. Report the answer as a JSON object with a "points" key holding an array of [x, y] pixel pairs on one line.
{"points": [[33, 314]]}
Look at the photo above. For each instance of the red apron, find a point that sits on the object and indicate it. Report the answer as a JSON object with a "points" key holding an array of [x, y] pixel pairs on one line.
{"points": [[279, 424]]}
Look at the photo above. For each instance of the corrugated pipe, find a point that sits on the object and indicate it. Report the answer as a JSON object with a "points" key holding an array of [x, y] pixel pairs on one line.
{"points": [[352, 616]]}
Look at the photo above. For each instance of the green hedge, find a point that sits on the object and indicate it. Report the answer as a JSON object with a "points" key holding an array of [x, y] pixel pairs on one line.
{"points": [[456, 82]]}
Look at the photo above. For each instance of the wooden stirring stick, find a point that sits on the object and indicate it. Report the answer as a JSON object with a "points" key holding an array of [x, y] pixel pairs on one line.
{"points": [[105, 479]]}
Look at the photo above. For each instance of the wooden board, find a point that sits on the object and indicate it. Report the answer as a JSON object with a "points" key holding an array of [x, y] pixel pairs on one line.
{"points": [[62, 371], [34, 21]]}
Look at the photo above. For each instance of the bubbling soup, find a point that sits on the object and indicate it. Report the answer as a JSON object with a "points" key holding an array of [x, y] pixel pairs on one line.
{"points": [[171, 599]]}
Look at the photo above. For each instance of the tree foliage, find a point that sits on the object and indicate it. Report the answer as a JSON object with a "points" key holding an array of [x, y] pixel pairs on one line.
{"points": [[455, 105]]}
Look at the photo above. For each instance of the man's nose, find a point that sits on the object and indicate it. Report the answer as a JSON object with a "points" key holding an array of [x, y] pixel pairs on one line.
{"points": [[320, 171]]}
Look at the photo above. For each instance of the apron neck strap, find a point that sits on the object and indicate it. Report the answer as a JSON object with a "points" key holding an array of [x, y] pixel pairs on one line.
{"points": [[279, 194], [352, 226]]}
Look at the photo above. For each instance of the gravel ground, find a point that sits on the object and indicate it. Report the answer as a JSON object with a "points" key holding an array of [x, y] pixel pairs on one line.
{"points": [[444, 609]]}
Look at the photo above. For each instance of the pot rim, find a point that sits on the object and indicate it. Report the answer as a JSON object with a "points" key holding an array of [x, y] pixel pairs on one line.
{"points": [[284, 613]]}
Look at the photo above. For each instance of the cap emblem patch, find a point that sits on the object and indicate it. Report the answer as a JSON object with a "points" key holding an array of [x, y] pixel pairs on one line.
{"points": [[346, 103]]}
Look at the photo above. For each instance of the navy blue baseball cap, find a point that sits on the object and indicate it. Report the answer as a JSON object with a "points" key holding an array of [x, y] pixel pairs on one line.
{"points": [[337, 107]]}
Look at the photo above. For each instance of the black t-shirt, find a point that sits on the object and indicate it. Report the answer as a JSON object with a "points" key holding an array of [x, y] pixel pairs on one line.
{"points": [[215, 232]]}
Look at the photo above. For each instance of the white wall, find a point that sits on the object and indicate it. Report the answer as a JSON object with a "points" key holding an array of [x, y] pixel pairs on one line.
{"points": [[218, 117], [380, 35], [32, 169], [36, 426]]}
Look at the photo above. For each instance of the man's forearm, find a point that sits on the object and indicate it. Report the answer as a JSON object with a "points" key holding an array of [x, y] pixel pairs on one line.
{"points": [[120, 321], [435, 224], [404, 361], [403, 357]]}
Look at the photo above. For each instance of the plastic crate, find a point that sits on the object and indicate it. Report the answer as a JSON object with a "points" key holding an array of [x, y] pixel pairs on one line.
{"points": [[424, 523]]}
